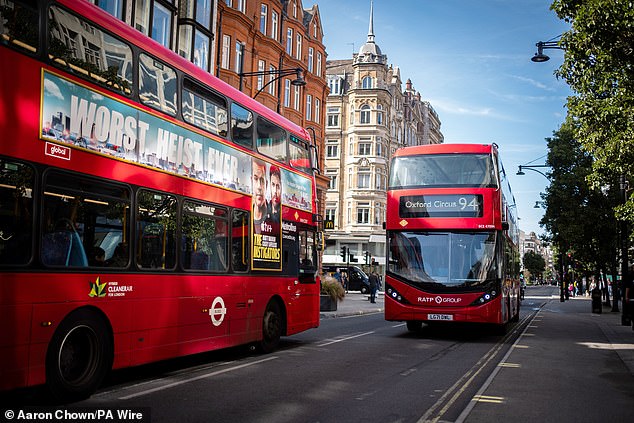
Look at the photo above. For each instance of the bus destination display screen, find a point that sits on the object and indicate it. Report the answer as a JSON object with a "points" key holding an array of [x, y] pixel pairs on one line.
{"points": [[441, 205]]}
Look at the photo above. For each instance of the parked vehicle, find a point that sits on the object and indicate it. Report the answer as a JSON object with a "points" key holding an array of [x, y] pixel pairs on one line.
{"points": [[357, 279]]}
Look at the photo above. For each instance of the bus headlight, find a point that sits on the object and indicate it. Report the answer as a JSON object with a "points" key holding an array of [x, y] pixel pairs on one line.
{"points": [[393, 293], [485, 298]]}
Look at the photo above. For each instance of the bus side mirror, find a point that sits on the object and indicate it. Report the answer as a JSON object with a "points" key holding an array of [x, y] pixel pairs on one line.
{"points": [[505, 226]]}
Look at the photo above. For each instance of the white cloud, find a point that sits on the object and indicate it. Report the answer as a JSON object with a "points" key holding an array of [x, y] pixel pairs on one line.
{"points": [[52, 89]]}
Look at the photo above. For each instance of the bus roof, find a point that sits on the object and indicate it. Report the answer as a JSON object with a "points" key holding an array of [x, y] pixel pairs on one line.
{"points": [[133, 36], [445, 149]]}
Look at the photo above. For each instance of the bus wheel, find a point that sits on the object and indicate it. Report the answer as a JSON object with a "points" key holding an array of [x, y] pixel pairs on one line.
{"points": [[414, 325], [271, 328], [79, 356]]}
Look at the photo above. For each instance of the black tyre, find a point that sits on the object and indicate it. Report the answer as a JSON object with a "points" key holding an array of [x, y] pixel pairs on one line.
{"points": [[271, 328], [364, 289], [414, 325], [79, 356]]}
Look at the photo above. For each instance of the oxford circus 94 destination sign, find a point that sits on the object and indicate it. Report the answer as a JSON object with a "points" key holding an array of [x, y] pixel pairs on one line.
{"points": [[441, 205]]}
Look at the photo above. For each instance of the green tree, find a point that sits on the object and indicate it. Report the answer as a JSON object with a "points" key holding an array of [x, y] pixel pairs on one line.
{"points": [[534, 263], [599, 52], [579, 217]]}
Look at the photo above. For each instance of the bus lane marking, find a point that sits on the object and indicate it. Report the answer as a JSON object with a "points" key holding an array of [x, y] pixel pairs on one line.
{"points": [[462, 384], [345, 338], [194, 379]]}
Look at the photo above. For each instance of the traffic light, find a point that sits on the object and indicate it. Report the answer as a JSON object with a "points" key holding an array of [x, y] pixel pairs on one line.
{"points": [[344, 253], [367, 257]]}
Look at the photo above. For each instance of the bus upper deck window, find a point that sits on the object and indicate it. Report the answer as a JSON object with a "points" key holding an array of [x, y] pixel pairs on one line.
{"points": [[241, 126], [85, 49], [19, 26], [299, 154]]}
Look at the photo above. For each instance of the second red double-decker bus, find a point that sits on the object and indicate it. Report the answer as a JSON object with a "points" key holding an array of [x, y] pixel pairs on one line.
{"points": [[452, 237]]}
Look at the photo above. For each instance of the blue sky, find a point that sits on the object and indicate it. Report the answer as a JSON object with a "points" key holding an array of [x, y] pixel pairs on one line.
{"points": [[471, 60]]}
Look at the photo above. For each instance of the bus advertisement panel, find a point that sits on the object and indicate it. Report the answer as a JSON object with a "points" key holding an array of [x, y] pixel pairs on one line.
{"points": [[452, 237]]}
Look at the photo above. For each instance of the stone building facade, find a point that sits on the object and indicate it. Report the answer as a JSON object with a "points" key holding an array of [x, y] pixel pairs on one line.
{"points": [[368, 116]]}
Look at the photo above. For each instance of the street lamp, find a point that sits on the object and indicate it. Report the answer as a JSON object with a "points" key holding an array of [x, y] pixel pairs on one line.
{"points": [[520, 171], [540, 57], [625, 319], [299, 80]]}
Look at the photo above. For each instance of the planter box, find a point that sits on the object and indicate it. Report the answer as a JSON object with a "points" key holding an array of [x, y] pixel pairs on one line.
{"points": [[327, 304]]}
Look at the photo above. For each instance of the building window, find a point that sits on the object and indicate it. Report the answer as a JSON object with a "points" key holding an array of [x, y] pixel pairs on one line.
{"points": [[201, 50], [332, 184], [318, 70], [317, 111], [378, 213], [239, 56], [298, 48], [331, 213], [334, 85], [289, 41], [309, 107], [242, 6], [272, 77], [366, 82], [332, 149], [333, 117], [226, 51], [274, 25], [294, 10], [261, 76], [363, 178], [296, 100], [160, 28], [287, 93], [365, 114], [115, 8], [379, 147], [365, 148], [363, 213], [379, 115], [311, 51], [264, 13], [379, 180]]}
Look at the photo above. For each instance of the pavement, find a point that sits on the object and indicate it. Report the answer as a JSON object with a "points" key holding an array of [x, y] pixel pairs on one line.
{"points": [[568, 365], [356, 303]]}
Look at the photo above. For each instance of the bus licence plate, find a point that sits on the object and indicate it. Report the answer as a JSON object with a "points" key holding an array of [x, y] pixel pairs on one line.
{"points": [[440, 317]]}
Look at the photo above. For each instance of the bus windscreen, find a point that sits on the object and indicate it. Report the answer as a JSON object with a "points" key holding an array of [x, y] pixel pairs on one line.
{"points": [[443, 170]]}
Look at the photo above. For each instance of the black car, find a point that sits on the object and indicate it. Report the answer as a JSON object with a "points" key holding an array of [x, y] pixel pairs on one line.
{"points": [[357, 279]]}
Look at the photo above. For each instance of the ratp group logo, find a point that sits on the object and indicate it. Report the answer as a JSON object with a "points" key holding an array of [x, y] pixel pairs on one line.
{"points": [[97, 289]]}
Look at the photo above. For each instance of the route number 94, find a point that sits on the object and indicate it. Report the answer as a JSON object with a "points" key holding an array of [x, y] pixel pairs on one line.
{"points": [[471, 203]]}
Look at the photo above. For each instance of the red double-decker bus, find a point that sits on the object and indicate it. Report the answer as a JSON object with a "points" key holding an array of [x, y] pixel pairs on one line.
{"points": [[452, 237], [147, 209]]}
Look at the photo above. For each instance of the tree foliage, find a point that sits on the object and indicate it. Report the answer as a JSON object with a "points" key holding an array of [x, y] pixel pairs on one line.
{"points": [[579, 217], [599, 68], [534, 263]]}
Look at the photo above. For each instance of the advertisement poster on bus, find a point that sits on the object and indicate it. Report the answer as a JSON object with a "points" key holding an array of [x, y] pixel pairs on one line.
{"points": [[75, 115]]}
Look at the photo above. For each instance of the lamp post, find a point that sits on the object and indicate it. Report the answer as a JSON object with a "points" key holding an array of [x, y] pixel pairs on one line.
{"points": [[521, 172], [299, 80], [540, 57], [625, 317]]}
